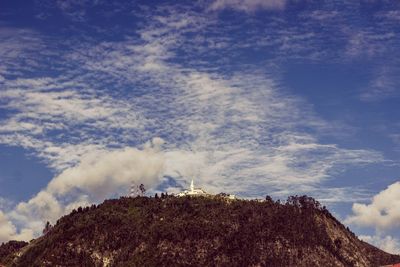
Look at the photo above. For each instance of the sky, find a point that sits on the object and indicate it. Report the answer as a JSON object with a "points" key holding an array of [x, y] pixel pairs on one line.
{"points": [[251, 97]]}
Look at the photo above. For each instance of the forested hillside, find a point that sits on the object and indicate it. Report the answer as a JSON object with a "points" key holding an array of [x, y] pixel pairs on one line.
{"points": [[170, 231]]}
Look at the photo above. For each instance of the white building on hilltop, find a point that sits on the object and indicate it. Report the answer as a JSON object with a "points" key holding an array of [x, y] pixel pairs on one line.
{"points": [[192, 191], [200, 192]]}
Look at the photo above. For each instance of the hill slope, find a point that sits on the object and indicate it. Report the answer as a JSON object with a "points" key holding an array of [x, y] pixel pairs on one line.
{"points": [[199, 232]]}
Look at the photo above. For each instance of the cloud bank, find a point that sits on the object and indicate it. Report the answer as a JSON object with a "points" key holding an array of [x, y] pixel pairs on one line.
{"points": [[382, 213], [102, 172]]}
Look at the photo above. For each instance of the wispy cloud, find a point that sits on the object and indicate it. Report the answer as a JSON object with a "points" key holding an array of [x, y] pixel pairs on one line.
{"points": [[324, 15], [17, 49], [45, 108], [395, 138], [391, 14], [369, 43], [248, 5], [74, 10], [383, 86]]}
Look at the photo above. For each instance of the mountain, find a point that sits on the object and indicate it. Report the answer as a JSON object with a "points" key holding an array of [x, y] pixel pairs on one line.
{"points": [[197, 231]]}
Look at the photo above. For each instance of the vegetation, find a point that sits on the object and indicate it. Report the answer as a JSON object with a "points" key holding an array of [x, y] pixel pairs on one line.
{"points": [[8, 250], [170, 231]]}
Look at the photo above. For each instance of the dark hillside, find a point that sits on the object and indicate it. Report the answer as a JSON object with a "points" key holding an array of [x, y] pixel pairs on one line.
{"points": [[8, 250], [172, 231]]}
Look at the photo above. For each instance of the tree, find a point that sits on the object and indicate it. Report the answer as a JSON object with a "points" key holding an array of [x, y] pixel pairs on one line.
{"points": [[268, 199], [47, 228], [142, 189]]}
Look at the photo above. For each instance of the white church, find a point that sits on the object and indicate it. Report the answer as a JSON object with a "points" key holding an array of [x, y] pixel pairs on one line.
{"points": [[192, 191], [200, 192]]}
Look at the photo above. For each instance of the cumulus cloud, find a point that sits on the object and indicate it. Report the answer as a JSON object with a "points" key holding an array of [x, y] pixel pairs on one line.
{"points": [[44, 206], [382, 213], [5, 203], [386, 243], [185, 164], [99, 175], [248, 5], [102, 172], [8, 231]]}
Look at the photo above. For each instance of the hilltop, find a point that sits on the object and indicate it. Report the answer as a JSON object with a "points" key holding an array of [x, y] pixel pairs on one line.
{"points": [[197, 231]]}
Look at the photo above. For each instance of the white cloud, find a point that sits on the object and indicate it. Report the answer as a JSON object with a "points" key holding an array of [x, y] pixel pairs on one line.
{"points": [[367, 43], [81, 201], [5, 203], [102, 172], [392, 15], [395, 138], [19, 49], [46, 105], [185, 164], [382, 86], [248, 5], [67, 106], [7, 229], [323, 15], [99, 175], [386, 243], [39, 209], [382, 213], [340, 194]]}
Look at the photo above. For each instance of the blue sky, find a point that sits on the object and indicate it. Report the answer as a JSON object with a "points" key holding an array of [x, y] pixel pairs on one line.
{"points": [[249, 97]]}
